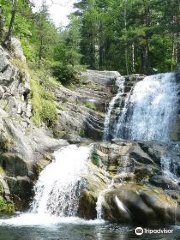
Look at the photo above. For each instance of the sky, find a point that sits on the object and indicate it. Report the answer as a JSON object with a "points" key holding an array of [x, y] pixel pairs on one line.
{"points": [[59, 10]]}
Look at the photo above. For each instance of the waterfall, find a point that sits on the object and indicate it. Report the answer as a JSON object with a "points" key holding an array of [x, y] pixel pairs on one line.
{"points": [[99, 206], [58, 187], [120, 84], [57, 191], [169, 162], [150, 110]]}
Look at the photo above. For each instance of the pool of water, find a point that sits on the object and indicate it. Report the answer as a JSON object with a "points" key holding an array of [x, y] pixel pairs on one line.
{"points": [[33, 227]]}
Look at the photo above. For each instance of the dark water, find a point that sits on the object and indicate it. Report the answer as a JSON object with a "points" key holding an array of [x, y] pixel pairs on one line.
{"points": [[83, 231]]}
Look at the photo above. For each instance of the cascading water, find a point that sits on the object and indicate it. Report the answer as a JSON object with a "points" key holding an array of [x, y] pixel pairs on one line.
{"points": [[151, 110], [149, 113], [58, 187], [57, 190], [120, 83]]}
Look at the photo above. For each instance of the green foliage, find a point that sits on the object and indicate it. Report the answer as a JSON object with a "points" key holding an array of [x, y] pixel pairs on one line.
{"points": [[90, 105], [44, 107], [6, 207], [65, 74], [60, 107], [5, 143], [95, 159], [1, 173], [82, 133], [48, 112], [130, 36]]}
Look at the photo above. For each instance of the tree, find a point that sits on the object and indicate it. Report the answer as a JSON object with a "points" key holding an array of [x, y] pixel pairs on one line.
{"points": [[11, 24]]}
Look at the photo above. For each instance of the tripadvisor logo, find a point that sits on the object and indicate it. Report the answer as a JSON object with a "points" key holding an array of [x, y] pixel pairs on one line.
{"points": [[139, 231]]}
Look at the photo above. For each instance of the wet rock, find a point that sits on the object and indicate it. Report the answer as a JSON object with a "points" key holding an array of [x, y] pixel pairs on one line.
{"points": [[21, 189], [93, 184], [72, 138], [164, 182], [138, 204]]}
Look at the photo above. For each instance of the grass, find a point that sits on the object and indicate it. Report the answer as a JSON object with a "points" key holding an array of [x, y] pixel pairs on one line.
{"points": [[90, 105], [22, 66], [43, 99]]}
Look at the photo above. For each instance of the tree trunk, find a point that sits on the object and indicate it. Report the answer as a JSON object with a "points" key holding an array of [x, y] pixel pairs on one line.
{"points": [[100, 47], [7, 40], [133, 57], [41, 48], [1, 24]]}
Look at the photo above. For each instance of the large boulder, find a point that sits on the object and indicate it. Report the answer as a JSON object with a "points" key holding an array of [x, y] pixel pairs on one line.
{"points": [[131, 203]]}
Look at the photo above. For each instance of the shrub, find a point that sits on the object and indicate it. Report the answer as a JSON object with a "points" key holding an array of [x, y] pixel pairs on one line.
{"points": [[95, 159], [6, 207], [48, 113], [65, 74]]}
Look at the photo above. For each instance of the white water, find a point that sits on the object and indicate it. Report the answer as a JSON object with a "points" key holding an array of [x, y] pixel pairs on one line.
{"points": [[151, 109], [57, 191], [99, 207], [34, 219], [167, 163], [120, 83]]}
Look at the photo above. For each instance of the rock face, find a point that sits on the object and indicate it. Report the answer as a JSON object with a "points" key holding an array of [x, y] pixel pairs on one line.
{"points": [[136, 189], [82, 110], [21, 143]]}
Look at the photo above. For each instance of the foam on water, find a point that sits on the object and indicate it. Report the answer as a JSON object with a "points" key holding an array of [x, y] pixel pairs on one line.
{"points": [[34, 219]]}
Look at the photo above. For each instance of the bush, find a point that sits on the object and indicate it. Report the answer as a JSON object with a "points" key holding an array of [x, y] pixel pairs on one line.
{"points": [[95, 159], [6, 207], [48, 113], [65, 74]]}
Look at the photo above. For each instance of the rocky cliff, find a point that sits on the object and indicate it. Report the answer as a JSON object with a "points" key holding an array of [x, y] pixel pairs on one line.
{"points": [[22, 144]]}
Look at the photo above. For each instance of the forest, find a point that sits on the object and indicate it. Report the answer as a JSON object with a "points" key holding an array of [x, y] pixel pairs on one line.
{"points": [[130, 36]]}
